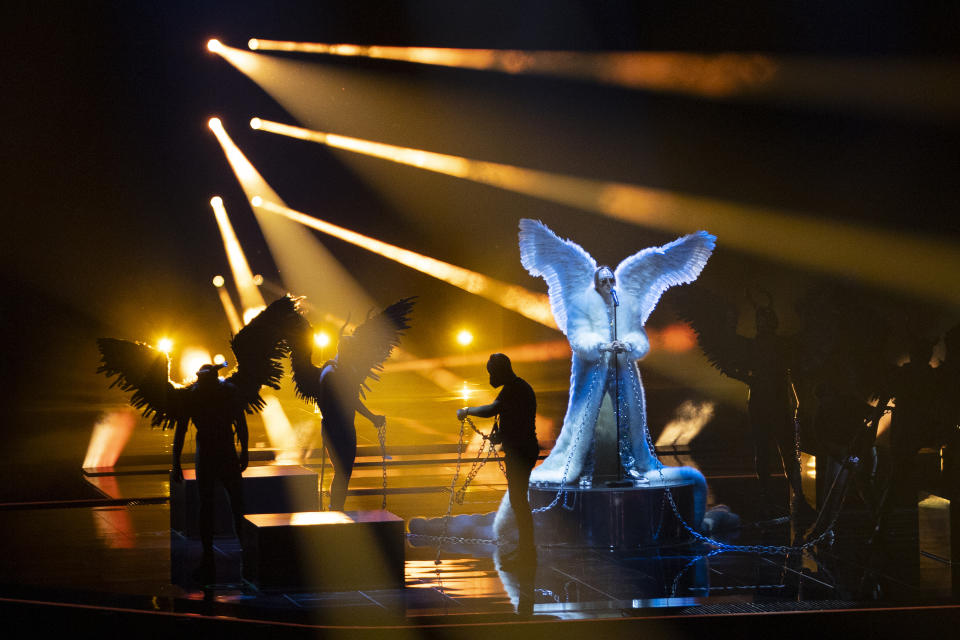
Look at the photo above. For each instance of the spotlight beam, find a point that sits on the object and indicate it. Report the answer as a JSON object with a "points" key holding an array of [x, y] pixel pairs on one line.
{"points": [[535, 306], [908, 263], [250, 296], [922, 86]]}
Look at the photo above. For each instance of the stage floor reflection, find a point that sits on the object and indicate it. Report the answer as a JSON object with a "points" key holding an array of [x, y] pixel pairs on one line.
{"points": [[122, 553]]}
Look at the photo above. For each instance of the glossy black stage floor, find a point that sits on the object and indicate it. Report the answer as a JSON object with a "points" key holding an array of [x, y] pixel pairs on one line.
{"points": [[113, 564]]}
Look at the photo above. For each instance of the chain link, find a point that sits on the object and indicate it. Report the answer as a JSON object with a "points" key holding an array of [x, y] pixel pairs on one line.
{"points": [[382, 437]]}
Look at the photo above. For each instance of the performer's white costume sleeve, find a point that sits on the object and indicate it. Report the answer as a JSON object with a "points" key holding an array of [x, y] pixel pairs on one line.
{"points": [[584, 317]]}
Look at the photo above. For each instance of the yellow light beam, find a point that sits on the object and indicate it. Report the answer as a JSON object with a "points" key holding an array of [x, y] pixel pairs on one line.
{"points": [[250, 296], [535, 306], [305, 262], [306, 265], [924, 86], [228, 307], [901, 261]]}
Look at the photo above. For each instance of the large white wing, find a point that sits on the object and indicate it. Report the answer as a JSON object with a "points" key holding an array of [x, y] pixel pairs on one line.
{"points": [[645, 275], [566, 267]]}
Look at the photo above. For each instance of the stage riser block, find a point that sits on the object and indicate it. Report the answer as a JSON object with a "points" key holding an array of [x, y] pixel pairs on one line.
{"points": [[623, 517], [344, 551], [266, 489]]}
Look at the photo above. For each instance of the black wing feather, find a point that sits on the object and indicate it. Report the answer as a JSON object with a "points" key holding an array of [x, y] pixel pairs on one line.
{"points": [[145, 371], [372, 343], [714, 319], [260, 347]]}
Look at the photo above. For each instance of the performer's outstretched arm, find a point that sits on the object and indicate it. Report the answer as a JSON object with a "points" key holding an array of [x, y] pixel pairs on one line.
{"points": [[378, 421], [178, 437], [484, 411]]}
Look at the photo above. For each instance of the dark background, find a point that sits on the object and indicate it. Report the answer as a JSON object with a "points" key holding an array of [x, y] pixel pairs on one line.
{"points": [[109, 166]]}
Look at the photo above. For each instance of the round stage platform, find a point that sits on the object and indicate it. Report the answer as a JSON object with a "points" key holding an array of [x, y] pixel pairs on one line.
{"points": [[611, 516]]}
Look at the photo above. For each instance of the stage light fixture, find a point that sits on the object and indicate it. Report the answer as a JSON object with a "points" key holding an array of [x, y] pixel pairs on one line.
{"points": [[219, 359], [218, 281], [253, 44], [215, 124], [258, 279], [165, 345], [214, 45], [255, 123]]}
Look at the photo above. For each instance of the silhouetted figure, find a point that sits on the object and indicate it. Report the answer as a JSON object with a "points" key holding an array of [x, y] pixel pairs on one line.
{"points": [[217, 413], [914, 421], [338, 386], [215, 406], [516, 410], [764, 364]]}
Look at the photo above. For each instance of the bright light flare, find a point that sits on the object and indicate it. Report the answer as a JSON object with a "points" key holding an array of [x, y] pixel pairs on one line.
{"points": [[258, 279], [321, 339], [464, 337], [253, 44], [165, 345], [218, 281], [215, 126], [691, 417], [280, 432], [255, 123], [110, 435], [214, 45], [913, 264], [191, 359], [674, 337], [219, 359], [465, 392], [252, 312]]}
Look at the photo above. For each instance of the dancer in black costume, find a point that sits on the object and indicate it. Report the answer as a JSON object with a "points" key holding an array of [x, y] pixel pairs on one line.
{"points": [[516, 408], [339, 385], [215, 406]]}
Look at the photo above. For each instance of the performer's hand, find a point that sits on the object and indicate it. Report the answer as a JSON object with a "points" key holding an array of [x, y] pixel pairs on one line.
{"points": [[244, 461], [176, 474], [379, 421], [619, 347], [462, 414]]}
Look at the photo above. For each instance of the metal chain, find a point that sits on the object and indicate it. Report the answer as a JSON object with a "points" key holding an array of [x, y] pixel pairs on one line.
{"points": [[753, 548], [477, 464], [561, 491], [382, 436]]}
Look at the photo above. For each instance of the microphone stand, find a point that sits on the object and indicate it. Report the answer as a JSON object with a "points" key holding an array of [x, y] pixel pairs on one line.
{"points": [[616, 378]]}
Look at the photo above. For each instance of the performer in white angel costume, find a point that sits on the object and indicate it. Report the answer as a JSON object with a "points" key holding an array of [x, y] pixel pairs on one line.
{"points": [[602, 313]]}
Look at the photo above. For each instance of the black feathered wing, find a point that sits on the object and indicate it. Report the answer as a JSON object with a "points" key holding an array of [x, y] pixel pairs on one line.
{"points": [[364, 352], [259, 348], [145, 371], [714, 319], [306, 376]]}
